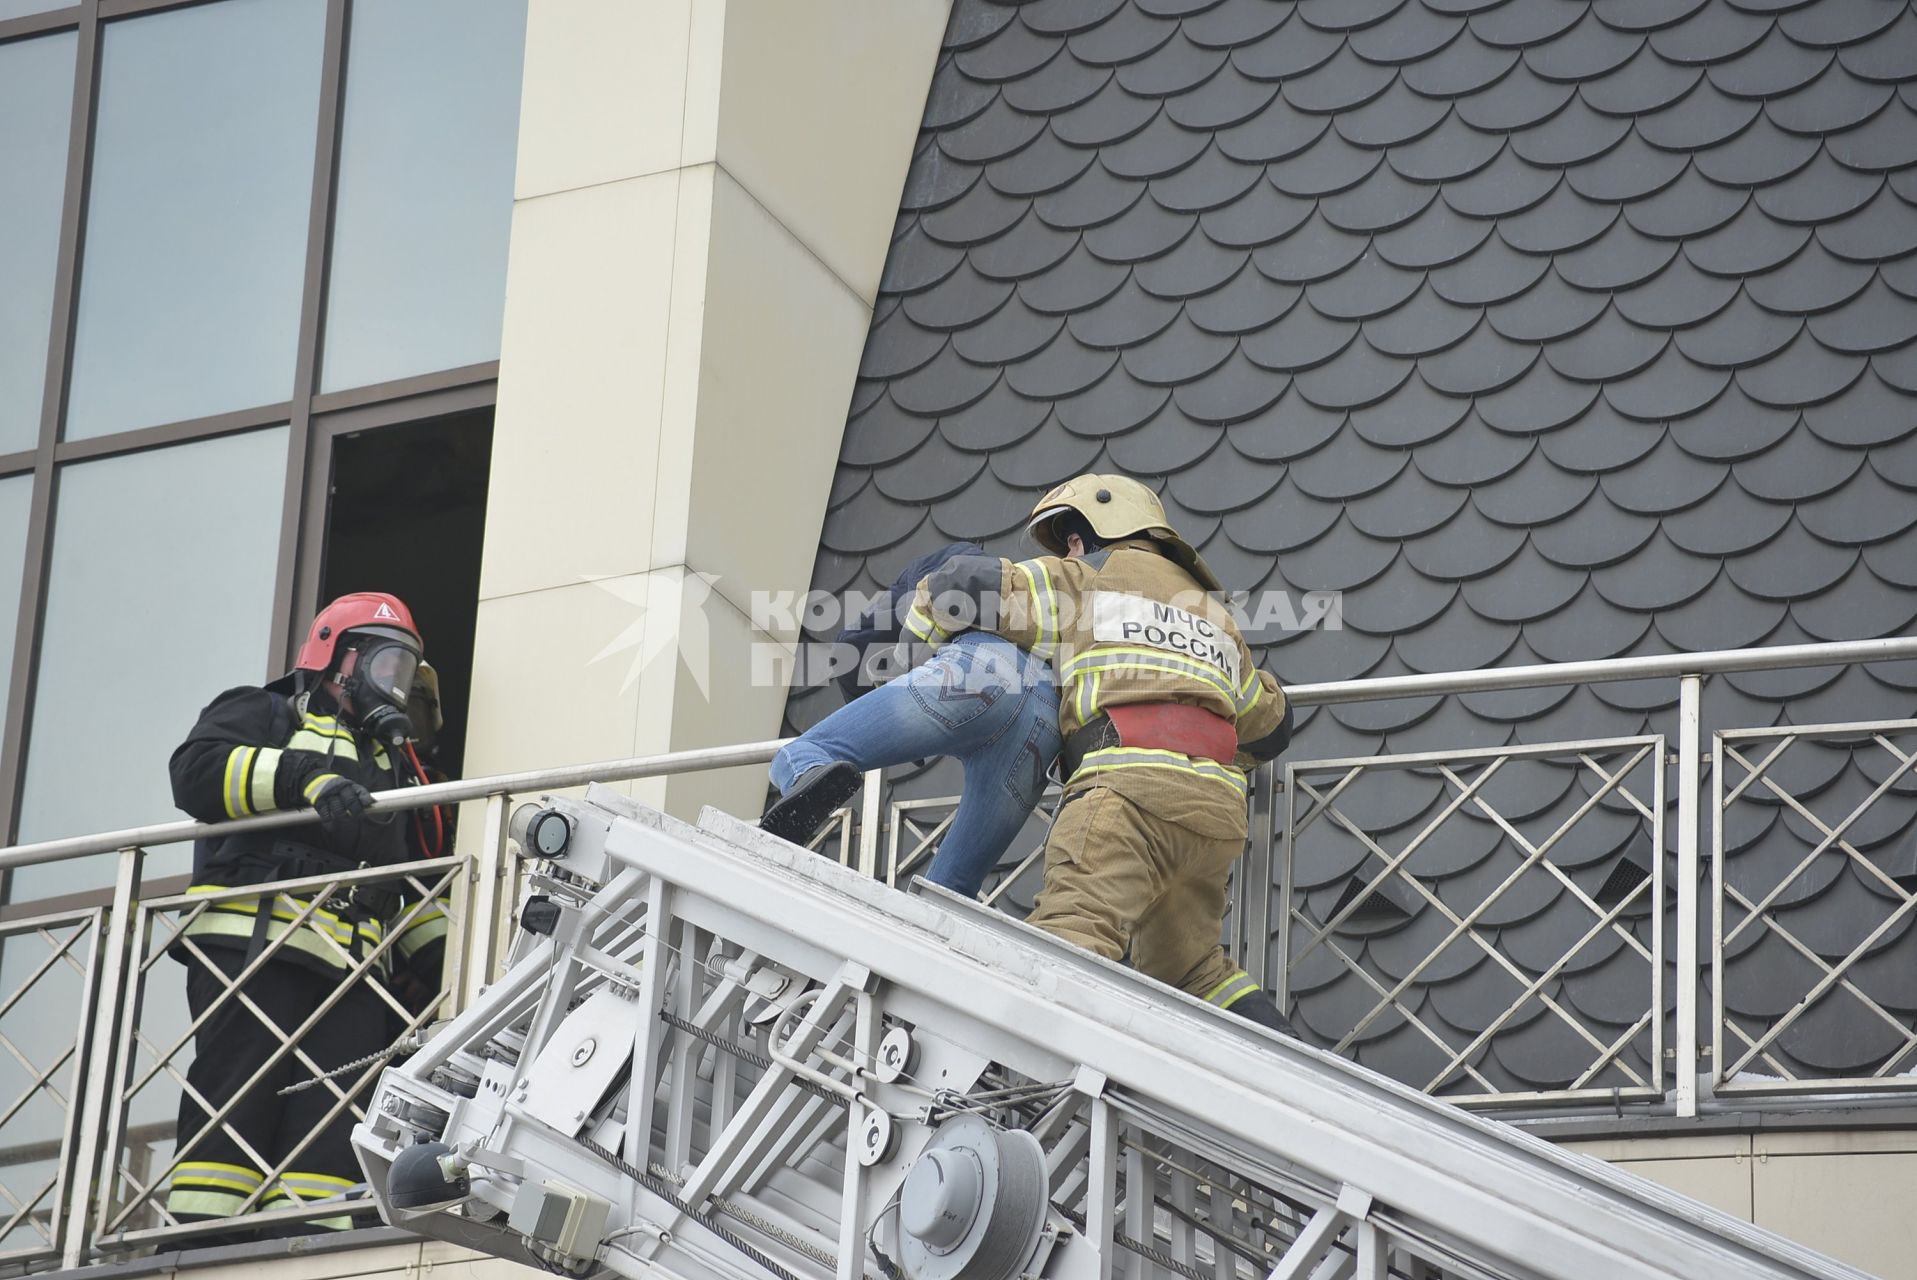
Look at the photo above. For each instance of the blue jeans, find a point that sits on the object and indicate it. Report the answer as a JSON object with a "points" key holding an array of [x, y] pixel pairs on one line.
{"points": [[980, 698]]}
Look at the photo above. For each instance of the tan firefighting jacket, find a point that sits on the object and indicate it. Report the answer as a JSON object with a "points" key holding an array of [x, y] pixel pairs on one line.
{"points": [[1139, 629]]}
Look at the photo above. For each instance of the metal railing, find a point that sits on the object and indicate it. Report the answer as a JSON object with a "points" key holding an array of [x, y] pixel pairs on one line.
{"points": [[91, 1181]]}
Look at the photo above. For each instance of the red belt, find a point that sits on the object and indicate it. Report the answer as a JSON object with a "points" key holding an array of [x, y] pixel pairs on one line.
{"points": [[1158, 726]]}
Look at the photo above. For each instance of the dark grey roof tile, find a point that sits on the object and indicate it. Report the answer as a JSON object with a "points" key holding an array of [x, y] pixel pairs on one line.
{"points": [[1884, 228], [865, 393], [1400, 599], [1107, 116], [1775, 65], [1327, 165], [1602, 440], [1176, 66], [1346, 468], [1874, 320], [1525, 587], [1066, 83], [1394, 717], [1408, 507], [1161, 147], [1236, 389], [1448, 153], [1316, 251], [1226, 98], [1832, 102], [1213, 181], [1063, 17], [1516, 26], [1520, 100], [1079, 280], [1343, 557], [1412, 33], [1611, 348], [1381, 802], [1723, 617], [1563, 221], [1889, 56], [1640, 696], [1852, 697], [1094, 197], [1290, 429], [1016, 332], [1811, 281], [1541, 400], [1175, 8], [1460, 639], [1589, 628], [933, 470], [1325, 656], [1383, 202], [1249, 300], [1472, 454], [1180, 353], [1260, 216], [1644, 15], [1349, 17], [1732, 426], [847, 484], [1500, 188], [1618, 259], [1278, 131], [963, 298], [1711, 35], [1792, 565], [1438, 235], [1819, 192], [1145, 230], [1886, 976], [975, 24], [1483, 362], [1331, 1013], [1449, 728], [1742, 333], [1045, 165], [1861, 606], [1404, 951], [1691, 206], [1393, 118], [1726, 706], [1425, 324], [1114, 404], [1897, 462], [1194, 265], [996, 132], [1286, 52], [1128, 316], [1900, 275], [871, 522], [1227, 25], [1000, 418], [897, 346], [944, 385], [1224, 480], [978, 215], [953, 96], [1575, 135], [1826, 25], [1597, 532], [1632, 170], [1064, 367], [1355, 377], [1410, 415], [1196, 525], [1803, 372], [1747, 244], [1897, 368], [1706, 117], [1369, 287], [1129, 34], [1469, 546], [1300, 339], [1761, 154], [1340, 83], [1529, 895], [1670, 387], [1864, 510], [1726, 523], [1494, 273], [1464, 66], [1894, 560], [1167, 442], [1548, 310], [1661, 576], [1587, 51]]}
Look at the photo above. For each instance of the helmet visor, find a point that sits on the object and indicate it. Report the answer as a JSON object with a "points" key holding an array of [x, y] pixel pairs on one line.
{"points": [[388, 670]]}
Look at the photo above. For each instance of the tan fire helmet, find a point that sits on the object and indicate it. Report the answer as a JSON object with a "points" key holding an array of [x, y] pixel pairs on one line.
{"points": [[1116, 507]]}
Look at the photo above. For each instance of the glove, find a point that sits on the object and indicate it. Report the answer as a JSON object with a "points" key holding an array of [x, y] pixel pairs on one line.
{"points": [[340, 805]]}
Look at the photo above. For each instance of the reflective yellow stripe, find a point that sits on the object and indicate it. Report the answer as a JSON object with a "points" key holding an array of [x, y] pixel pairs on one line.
{"points": [[1248, 698], [324, 735], [1110, 759], [233, 796], [431, 927], [196, 1203], [1232, 990], [236, 919], [313, 1186], [237, 1177], [920, 624], [317, 785], [266, 764], [1133, 658], [1038, 581]]}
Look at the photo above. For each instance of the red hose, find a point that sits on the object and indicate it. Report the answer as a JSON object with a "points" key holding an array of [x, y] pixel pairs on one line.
{"points": [[432, 849]]}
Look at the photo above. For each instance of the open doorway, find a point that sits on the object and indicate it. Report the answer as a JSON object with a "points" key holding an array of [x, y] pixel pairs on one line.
{"points": [[407, 515]]}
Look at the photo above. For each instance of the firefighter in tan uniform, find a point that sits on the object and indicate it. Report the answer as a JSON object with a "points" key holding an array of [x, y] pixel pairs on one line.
{"points": [[1161, 709]]}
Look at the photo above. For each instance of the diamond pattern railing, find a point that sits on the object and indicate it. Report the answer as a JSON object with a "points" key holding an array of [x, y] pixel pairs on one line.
{"points": [[1471, 885], [1769, 1046]]}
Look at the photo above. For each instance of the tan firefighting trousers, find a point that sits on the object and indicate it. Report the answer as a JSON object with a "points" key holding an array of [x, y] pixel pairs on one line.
{"points": [[1116, 875]]}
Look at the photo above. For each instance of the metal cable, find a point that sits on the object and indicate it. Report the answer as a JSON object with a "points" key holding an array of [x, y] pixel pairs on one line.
{"points": [[745, 1055]]}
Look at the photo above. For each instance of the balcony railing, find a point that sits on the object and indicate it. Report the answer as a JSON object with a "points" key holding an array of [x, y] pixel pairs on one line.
{"points": [[95, 1039]]}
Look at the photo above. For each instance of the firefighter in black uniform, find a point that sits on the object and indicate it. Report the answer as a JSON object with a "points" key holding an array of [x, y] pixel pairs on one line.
{"points": [[327, 735]]}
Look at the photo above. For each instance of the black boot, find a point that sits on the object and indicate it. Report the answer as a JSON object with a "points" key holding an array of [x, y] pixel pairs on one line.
{"points": [[1259, 1008], [803, 810]]}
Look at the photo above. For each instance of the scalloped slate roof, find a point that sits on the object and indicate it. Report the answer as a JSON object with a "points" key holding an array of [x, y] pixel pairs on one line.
{"points": [[1543, 329]]}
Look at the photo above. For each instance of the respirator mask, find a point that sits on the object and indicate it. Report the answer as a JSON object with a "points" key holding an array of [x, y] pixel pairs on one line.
{"points": [[375, 681]]}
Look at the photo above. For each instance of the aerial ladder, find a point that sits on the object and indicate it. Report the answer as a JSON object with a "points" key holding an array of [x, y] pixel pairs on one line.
{"points": [[716, 1056]]}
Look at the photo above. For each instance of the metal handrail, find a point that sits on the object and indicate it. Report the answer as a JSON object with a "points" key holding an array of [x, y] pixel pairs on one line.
{"points": [[1376, 689]]}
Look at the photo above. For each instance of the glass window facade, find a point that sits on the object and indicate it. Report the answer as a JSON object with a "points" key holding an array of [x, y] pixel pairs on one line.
{"points": [[36, 105], [16, 496], [424, 203], [197, 223], [160, 595], [20, 8]]}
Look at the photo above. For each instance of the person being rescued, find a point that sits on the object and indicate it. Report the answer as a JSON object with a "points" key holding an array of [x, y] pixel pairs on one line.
{"points": [[326, 735], [1162, 711]]}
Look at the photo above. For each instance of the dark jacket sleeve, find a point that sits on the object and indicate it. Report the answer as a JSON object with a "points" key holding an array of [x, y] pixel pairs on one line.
{"points": [[231, 764], [874, 633]]}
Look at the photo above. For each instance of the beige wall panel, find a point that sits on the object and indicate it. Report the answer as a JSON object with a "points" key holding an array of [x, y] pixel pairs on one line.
{"points": [[615, 89], [1723, 1183], [777, 363], [1619, 1150], [1853, 1207], [386, 1262], [581, 383], [820, 104], [444, 1261]]}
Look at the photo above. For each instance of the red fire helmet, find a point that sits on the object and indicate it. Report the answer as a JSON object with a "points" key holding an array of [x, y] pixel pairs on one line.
{"points": [[361, 611]]}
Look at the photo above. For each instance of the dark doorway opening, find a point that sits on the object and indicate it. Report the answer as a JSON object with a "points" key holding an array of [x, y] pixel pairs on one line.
{"points": [[407, 514]]}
